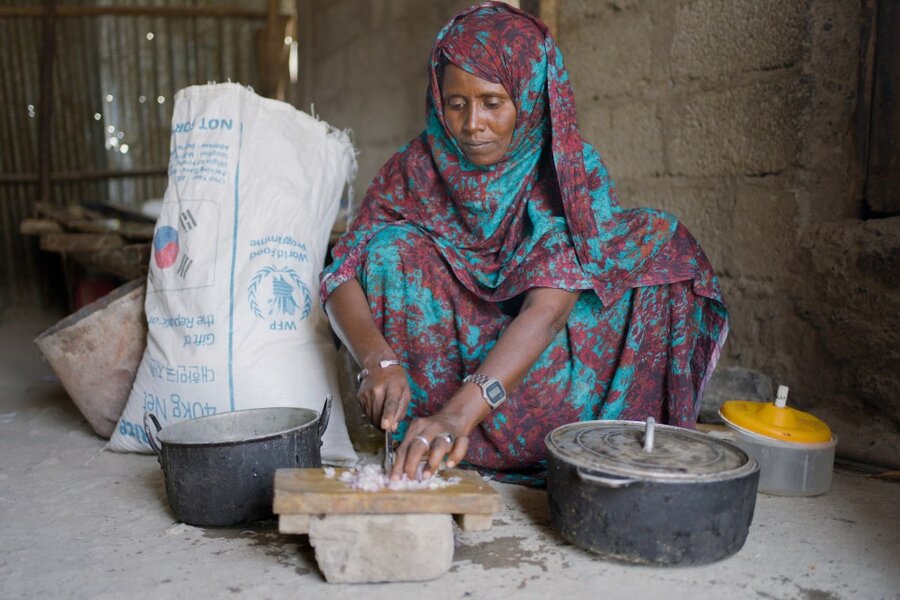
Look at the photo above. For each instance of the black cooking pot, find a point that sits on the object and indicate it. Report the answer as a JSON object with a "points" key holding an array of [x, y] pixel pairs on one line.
{"points": [[220, 469], [650, 494]]}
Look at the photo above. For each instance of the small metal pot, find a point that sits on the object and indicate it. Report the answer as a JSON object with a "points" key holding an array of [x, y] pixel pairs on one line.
{"points": [[650, 494], [220, 470]]}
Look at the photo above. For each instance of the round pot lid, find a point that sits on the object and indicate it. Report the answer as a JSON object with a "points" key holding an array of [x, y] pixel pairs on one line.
{"points": [[776, 420], [619, 448]]}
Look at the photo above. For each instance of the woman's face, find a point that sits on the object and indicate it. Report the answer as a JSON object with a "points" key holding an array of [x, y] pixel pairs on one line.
{"points": [[480, 115]]}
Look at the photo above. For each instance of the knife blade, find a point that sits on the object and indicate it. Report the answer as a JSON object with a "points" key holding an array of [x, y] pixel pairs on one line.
{"points": [[388, 451]]}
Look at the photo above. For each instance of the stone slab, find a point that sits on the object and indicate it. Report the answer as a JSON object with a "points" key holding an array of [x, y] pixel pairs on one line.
{"points": [[382, 548]]}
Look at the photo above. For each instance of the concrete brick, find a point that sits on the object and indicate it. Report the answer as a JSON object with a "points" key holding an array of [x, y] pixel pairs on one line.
{"points": [[378, 548], [716, 37], [713, 72], [833, 39], [608, 51], [338, 22], [629, 138], [381, 129], [764, 239], [767, 334], [377, 62], [433, 14], [853, 301], [827, 194], [744, 131], [831, 74], [331, 70], [595, 123], [733, 383], [635, 145]]}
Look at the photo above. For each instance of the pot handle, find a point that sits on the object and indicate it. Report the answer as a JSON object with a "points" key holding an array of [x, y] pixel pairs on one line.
{"points": [[605, 480], [151, 436], [324, 416]]}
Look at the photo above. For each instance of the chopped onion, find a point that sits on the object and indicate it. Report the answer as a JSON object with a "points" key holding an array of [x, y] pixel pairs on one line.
{"points": [[372, 478]]}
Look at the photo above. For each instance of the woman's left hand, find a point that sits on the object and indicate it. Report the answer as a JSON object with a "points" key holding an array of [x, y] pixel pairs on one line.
{"points": [[433, 437]]}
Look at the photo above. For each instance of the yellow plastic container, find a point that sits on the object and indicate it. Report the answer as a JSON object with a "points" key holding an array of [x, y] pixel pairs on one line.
{"points": [[795, 450]]}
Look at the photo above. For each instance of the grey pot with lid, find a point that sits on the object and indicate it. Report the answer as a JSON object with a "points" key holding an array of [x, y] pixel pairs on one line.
{"points": [[650, 494]]}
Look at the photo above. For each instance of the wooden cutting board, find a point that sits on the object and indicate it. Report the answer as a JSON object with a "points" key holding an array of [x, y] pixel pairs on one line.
{"points": [[309, 492]]}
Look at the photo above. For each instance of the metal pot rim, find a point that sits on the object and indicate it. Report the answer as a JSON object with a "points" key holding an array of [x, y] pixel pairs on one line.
{"points": [[587, 469], [175, 429]]}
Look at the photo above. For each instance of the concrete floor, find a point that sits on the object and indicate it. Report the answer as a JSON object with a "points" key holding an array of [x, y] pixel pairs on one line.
{"points": [[80, 522]]}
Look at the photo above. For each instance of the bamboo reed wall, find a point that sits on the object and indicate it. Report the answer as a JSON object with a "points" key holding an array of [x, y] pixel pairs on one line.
{"points": [[113, 82]]}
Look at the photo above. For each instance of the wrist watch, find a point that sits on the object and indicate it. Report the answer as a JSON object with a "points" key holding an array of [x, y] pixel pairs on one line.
{"points": [[491, 389]]}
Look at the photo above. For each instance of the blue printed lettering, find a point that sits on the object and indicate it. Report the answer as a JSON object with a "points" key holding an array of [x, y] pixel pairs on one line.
{"points": [[155, 405]]}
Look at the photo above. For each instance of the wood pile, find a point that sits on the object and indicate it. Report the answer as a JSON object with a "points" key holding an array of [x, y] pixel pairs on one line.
{"points": [[114, 241]]}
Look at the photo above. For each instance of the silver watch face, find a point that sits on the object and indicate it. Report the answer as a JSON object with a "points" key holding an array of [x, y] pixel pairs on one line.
{"points": [[491, 389], [494, 393]]}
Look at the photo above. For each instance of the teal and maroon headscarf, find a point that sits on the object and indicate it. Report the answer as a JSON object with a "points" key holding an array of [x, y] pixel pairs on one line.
{"points": [[547, 214]]}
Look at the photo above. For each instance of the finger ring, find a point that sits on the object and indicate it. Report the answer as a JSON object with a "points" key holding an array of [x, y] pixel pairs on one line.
{"points": [[447, 436], [422, 439]]}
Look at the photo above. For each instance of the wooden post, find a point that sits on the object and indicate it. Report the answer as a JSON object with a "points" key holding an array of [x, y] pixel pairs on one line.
{"points": [[272, 54], [882, 181], [48, 50], [307, 40], [860, 132], [549, 14]]}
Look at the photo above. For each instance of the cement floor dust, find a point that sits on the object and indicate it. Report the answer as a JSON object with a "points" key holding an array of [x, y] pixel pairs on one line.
{"points": [[80, 522]]}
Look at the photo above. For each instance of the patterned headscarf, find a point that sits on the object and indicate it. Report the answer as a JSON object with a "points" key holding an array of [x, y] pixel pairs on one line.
{"points": [[546, 215]]}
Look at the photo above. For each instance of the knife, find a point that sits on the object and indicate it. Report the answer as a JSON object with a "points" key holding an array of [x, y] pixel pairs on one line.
{"points": [[388, 451]]}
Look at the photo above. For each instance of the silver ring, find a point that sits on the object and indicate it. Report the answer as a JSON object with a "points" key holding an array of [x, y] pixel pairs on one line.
{"points": [[447, 436], [422, 439]]}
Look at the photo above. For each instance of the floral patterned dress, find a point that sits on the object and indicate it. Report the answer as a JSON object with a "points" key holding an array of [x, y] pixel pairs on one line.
{"points": [[445, 250]]}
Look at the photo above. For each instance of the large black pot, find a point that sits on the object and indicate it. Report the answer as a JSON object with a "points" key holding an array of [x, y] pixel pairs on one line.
{"points": [[220, 470], [649, 494]]}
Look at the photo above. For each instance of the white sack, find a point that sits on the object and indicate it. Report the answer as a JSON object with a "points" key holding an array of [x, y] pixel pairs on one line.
{"points": [[233, 315]]}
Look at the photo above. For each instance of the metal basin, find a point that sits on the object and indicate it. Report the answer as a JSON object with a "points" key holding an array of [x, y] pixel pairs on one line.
{"points": [[220, 470]]}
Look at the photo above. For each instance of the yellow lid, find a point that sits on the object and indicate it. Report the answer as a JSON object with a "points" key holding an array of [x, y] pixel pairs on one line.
{"points": [[776, 420]]}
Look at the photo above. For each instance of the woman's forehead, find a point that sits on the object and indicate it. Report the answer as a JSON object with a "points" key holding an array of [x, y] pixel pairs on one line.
{"points": [[456, 80]]}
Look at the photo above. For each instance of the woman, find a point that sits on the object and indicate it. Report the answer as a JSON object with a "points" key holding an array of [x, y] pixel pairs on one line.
{"points": [[492, 288]]}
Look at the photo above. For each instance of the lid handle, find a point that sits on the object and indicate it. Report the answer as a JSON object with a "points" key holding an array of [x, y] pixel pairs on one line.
{"points": [[610, 481], [648, 434], [781, 397]]}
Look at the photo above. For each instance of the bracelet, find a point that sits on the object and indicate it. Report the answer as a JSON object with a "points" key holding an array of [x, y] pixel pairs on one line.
{"points": [[383, 364]]}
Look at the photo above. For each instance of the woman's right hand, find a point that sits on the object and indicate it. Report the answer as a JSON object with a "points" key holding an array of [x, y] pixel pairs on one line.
{"points": [[384, 395]]}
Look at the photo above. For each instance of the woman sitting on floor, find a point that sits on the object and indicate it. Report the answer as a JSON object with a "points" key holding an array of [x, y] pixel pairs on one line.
{"points": [[492, 287]]}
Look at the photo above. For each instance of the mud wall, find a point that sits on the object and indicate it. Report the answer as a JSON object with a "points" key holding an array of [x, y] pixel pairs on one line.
{"points": [[748, 120]]}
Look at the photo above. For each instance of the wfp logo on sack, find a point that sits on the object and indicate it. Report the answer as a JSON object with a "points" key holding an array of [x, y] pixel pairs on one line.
{"points": [[279, 296]]}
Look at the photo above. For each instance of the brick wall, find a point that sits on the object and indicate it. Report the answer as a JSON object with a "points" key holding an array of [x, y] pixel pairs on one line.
{"points": [[370, 59], [737, 116]]}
